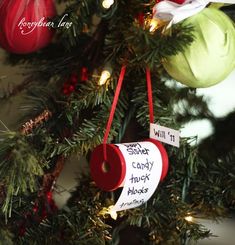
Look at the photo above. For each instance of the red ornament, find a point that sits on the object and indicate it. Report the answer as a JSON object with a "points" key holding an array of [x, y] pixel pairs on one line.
{"points": [[71, 88], [23, 25], [84, 74], [70, 85]]}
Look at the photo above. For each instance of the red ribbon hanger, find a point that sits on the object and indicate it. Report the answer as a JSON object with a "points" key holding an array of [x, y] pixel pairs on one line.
{"points": [[115, 100]]}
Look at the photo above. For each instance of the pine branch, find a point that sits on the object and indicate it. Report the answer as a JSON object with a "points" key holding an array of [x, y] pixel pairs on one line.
{"points": [[6, 237], [76, 224], [91, 131], [20, 167], [161, 99], [79, 14], [142, 47]]}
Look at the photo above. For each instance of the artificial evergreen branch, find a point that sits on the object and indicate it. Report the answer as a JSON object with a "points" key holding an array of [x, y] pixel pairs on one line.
{"points": [[76, 224], [21, 167], [79, 14], [31, 160], [91, 131]]}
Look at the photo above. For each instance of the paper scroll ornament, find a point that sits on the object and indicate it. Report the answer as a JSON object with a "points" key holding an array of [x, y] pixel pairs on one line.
{"points": [[137, 167], [24, 25]]}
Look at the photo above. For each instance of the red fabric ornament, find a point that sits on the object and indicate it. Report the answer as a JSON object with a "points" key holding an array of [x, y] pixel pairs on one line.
{"points": [[23, 25]]}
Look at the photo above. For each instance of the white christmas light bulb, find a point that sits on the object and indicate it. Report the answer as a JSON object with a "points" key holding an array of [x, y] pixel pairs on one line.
{"points": [[109, 211], [112, 213], [189, 218], [105, 75], [153, 25], [107, 3]]}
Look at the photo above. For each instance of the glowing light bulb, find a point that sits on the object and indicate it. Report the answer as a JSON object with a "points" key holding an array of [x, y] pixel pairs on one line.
{"points": [[109, 211], [105, 75], [107, 3], [112, 213], [153, 25], [189, 218]]}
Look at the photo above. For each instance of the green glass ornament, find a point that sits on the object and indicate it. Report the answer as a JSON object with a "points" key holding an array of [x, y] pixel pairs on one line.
{"points": [[211, 56]]}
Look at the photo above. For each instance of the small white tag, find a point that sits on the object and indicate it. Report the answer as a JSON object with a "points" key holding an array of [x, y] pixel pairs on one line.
{"points": [[164, 134]]}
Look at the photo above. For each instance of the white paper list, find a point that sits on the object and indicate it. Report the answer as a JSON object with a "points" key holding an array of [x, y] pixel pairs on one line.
{"points": [[143, 172]]}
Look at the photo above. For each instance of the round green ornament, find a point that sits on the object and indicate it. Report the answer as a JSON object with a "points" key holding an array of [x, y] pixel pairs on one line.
{"points": [[211, 56]]}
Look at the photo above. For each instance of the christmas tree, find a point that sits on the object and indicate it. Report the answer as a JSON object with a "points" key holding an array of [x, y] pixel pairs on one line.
{"points": [[86, 64]]}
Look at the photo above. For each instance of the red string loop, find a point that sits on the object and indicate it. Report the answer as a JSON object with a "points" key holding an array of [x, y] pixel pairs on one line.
{"points": [[115, 100], [113, 108], [150, 95]]}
